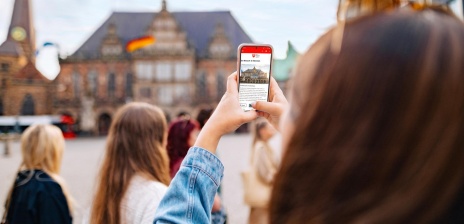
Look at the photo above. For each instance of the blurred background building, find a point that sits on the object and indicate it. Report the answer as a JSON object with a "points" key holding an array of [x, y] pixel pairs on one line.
{"points": [[283, 69], [184, 69], [23, 90]]}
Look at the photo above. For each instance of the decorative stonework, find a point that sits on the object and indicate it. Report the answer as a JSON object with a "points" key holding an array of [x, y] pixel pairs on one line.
{"points": [[88, 122], [170, 38], [111, 46], [220, 46]]}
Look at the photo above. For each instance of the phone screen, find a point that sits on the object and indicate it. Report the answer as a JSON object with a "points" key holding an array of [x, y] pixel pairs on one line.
{"points": [[255, 70]]}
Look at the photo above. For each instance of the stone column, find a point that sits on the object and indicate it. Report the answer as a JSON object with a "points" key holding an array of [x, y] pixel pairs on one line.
{"points": [[88, 123], [7, 147]]}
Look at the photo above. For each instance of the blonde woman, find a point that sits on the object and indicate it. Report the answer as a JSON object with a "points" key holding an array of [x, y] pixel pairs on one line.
{"points": [[38, 194], [135, 172], [264, 162]]}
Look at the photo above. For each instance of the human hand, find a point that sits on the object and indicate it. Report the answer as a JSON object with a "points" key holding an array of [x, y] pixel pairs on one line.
{"points": [[274, 109], [227, 117], [216, 204]]}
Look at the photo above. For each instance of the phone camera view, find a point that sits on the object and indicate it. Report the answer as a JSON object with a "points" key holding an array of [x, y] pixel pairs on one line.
{"points": [[255, 70]]}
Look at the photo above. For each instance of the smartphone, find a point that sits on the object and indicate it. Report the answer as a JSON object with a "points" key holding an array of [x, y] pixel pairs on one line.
{"points": [[254, 67]]}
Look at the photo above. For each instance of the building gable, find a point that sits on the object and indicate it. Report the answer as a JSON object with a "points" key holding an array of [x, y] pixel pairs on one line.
{"points": [[30, 73], [198, 26]]}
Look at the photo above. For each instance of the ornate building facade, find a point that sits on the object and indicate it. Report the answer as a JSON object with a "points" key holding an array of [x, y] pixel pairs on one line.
{"points": [[187, 66], [23, 89], [254, 75]]}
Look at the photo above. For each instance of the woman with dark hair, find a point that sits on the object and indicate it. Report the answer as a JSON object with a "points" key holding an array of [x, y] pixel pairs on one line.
{"points": [[372, 134], [181, 136], [203, 116]]}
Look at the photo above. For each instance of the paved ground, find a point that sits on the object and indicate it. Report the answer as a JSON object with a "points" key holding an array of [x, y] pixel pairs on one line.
{"points": [[83, 156]]}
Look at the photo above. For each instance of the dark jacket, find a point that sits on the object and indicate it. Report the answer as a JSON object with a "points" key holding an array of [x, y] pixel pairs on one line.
{"points": [[37, 198]]}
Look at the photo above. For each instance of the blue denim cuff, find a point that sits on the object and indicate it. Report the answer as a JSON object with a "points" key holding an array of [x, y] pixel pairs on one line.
{"points": [[206, 162]]}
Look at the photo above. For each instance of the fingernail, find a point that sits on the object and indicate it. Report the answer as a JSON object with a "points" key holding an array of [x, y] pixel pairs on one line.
{"points": [[253, 104]]}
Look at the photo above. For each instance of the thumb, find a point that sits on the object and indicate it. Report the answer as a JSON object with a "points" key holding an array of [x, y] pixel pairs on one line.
{"points": [[268, 107], [249, 116], [232, 86]]}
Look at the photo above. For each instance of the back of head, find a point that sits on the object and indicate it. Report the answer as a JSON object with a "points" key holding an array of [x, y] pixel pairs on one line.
{"points": [[377, 123], [203, 116], [135, 145], [178, 138], [42, 148]]}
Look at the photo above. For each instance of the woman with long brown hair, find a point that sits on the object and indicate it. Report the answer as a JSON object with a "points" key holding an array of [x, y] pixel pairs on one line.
{"points": [[372, 134], [39, 194], [376, 124], [135, 170]]}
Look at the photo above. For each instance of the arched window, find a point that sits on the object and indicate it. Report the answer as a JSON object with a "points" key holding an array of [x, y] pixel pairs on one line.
{"points": [[28, 107], [76, 78], [129, 85], [104, 123], [111, 84], [220, 84]]}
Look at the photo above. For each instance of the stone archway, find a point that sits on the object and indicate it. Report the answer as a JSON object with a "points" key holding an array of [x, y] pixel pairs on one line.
{"points": [[104, 122], [28, 106]]}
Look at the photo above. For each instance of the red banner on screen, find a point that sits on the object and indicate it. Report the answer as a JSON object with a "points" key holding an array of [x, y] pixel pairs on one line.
{"points": [[261, 50]]}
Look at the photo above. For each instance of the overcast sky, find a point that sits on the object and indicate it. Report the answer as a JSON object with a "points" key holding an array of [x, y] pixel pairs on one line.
{"points": [[70, 22]]}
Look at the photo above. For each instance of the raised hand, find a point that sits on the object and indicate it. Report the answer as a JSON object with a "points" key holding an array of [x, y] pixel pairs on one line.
{"points": [[274, 109]]}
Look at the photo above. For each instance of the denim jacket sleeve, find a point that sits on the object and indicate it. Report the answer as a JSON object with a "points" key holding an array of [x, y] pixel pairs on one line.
{"points": [[190, 195]]}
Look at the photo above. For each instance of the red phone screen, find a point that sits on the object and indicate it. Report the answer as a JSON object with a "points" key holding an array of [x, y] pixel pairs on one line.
{"points": [[254, 74], [256, 49]]}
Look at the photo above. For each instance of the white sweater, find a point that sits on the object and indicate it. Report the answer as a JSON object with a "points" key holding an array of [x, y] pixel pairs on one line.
{"points": [[141, 200]]}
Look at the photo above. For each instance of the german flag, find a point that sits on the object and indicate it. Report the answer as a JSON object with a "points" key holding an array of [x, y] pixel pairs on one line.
{"points": [[140, 42]]}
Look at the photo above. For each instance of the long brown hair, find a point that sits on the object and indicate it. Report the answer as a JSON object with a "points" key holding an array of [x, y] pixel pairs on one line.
{"points": [[378, 125], [353, 8], [135, 145]]}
